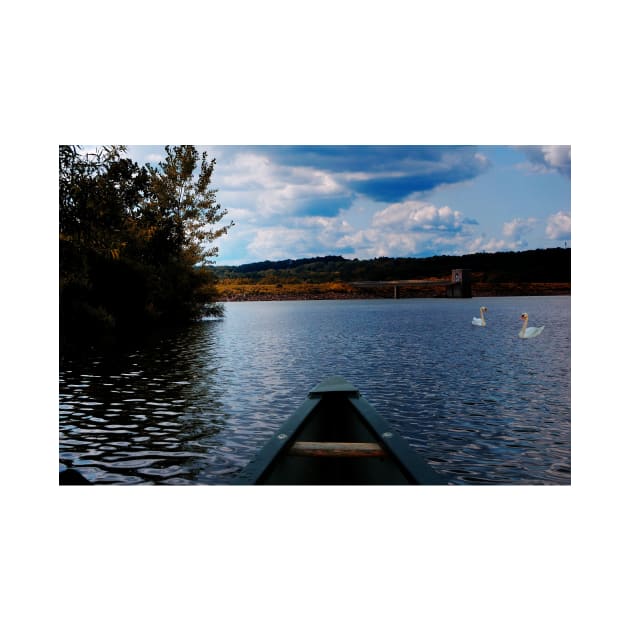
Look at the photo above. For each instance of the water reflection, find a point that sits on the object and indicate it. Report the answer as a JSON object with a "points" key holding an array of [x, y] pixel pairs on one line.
{"points": [[147, 415]]}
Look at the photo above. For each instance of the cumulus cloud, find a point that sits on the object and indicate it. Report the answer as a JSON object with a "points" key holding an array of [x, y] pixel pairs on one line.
{"points": [[548, 159], [419, 215], [410, 228], [516, 228], [373, 243], [276, 243], [247, 171], [308, 236], [256, 180], [559, 226], [327, 225]]}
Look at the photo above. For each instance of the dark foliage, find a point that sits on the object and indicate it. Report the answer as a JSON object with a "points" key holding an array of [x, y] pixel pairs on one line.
{"points": [[131, 239], [539, 265]]}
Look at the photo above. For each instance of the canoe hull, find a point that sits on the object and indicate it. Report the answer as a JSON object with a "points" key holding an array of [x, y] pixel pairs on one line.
{"points": [[337, 437]]}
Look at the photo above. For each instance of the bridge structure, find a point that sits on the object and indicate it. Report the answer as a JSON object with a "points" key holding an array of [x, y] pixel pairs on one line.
{"points": [[459, 285]]}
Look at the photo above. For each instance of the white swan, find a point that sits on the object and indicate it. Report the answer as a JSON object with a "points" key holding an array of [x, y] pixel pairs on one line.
{"points": [[532, 331], [480, 321]]}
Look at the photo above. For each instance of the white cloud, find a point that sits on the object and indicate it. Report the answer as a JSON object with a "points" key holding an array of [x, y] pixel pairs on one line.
{"points": [[558, 157], [559, 226], [255, 181], [418, 215], [373, 243], [276, 243], [247, 171], [402, 229], [308, 236], [548, 159], [315, 236], [302, 183], [489, 244], [518, 227], [326, 225]]}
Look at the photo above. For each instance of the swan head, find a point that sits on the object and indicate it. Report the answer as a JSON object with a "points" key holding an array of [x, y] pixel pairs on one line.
{"points": [[524, 316], [484, 309]]}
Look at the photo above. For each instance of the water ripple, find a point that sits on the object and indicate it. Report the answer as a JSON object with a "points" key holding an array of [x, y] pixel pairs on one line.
{"points": [[482, 406]]}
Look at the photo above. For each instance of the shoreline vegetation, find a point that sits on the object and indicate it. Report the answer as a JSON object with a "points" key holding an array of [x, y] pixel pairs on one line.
{"points": [[531, 272], [136, 243], [229, 291]]}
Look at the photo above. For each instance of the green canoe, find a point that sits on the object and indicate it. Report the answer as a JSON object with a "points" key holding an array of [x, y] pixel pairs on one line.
{"points": [[337, 437]]}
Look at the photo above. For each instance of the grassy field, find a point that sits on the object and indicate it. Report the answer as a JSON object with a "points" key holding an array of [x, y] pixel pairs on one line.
{"points": [[230, 290], [242, 290]]}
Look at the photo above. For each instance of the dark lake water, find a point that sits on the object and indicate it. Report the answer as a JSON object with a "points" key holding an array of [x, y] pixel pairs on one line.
{"points": [[479, 404]]}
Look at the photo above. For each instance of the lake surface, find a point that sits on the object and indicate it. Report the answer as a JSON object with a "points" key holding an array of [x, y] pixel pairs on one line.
{"points": [[481, 405]]}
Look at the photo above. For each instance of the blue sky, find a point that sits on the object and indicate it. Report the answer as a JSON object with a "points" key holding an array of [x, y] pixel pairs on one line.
{"points": [[368, 201]]}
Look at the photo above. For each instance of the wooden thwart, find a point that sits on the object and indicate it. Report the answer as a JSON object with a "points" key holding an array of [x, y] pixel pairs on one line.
{"points": [[337, 449]]}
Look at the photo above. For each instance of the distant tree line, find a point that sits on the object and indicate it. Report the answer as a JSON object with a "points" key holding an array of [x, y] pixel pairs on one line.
{"points": [[538, 265], [135, 241]]}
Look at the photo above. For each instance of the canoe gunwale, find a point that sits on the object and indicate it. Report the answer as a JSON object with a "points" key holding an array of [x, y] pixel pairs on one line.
{"points": [[410, 464], [407, 458], [280, 440]]}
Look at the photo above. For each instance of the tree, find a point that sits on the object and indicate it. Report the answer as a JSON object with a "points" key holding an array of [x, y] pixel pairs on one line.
{"points": [[183, 208], [183, 203], [99, 192], [134, 241], [95, 192]]}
